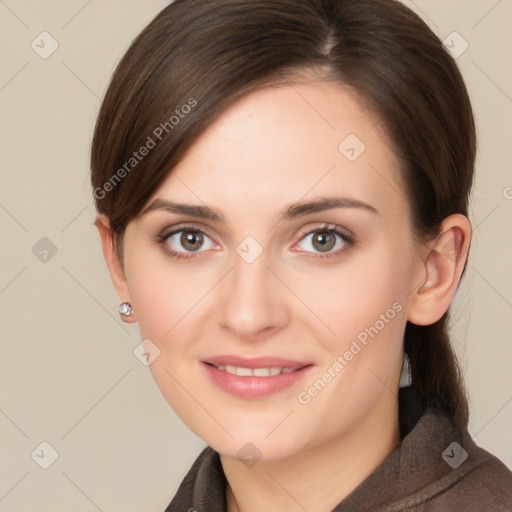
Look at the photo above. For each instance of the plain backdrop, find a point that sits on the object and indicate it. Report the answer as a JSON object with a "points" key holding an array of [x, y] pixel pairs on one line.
{"points": [[68, 375]]}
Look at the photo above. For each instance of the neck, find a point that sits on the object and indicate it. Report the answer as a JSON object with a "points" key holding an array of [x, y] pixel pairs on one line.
{"points": [[315, 479]]}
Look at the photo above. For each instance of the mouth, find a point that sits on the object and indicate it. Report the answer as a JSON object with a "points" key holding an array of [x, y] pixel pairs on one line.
{"points": [[254, 378], [241, 371]]}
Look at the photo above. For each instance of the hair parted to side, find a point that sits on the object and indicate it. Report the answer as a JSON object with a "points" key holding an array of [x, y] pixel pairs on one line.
{"points": [[198, 56]]}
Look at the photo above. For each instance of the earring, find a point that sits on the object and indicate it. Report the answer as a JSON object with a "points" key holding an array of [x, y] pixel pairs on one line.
{"points": [[406, 377], [125, 309]]}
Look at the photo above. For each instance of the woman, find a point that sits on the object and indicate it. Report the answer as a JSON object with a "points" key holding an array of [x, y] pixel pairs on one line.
{"points": [[282, 193]]}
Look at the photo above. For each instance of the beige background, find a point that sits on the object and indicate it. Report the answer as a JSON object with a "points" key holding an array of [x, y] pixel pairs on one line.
{"points": [[68, 375]]}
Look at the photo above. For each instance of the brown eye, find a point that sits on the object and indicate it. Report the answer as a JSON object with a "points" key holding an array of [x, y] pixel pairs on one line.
{"points": [[187, 240], [191, 240], [324, 241]]}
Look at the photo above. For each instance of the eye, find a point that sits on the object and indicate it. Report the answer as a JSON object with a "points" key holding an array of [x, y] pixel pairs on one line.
{"points": [[324, 242], [327, 241], [184, 241]]}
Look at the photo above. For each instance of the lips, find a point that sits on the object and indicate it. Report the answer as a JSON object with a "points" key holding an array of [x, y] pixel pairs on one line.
{"points": [[253, 378]]}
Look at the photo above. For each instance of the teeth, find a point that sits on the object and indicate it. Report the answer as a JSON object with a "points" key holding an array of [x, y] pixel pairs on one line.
{"points": [[262, 372], [256, 372]]}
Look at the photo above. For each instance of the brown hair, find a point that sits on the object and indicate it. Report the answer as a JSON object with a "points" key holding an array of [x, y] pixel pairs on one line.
{"points": [[198, 56]]}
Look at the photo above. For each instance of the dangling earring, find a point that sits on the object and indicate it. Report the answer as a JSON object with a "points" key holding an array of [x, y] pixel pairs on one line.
{"points": [[125, 309], [406, 377]]}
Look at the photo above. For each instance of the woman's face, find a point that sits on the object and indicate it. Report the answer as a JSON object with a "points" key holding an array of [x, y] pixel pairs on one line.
{"points": [[309, 267]]}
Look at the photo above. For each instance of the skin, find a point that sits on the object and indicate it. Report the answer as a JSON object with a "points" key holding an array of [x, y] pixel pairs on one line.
{"points": [[268, 150]]}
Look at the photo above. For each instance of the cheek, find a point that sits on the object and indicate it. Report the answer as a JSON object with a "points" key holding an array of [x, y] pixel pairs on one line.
{"points": [[351, 298], [167, 299], [163, 293], [364, 306]]}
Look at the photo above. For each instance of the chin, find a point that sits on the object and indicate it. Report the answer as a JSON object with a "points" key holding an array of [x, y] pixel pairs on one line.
{"points": [[258, 450]]}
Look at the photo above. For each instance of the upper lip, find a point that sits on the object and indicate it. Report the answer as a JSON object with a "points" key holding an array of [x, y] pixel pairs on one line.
{"points": [[255, 362]]}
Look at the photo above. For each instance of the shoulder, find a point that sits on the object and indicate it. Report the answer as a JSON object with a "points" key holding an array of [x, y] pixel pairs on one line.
{"points": [[484, 485], [441, 468], [488, 483]]}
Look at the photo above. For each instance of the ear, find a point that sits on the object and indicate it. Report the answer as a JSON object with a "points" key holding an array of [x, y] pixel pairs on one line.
{"points": [[442, 265], [114, 263]]}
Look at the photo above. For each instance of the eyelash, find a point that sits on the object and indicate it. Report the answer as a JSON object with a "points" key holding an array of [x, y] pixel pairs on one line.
{"points": [[348, 240]]}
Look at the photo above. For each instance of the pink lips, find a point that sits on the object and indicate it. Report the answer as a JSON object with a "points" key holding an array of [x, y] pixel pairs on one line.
{"points": [[253, 387]]}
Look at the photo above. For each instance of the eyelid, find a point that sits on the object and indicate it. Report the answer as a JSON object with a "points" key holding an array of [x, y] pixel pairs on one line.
{"points": [[169, 231], [348, 235]]}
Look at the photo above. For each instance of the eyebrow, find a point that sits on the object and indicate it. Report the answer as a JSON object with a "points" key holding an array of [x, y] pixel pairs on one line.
{"points": [[293, 211]]}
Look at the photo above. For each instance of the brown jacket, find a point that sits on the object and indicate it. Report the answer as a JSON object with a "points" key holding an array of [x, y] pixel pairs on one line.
{"points": [[427, 472]]}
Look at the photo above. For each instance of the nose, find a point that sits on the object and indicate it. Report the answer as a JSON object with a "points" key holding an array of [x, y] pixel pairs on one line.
{"points": [[253, 300]]}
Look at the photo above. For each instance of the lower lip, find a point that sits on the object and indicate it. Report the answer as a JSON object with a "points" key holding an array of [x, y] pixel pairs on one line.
{"points": [[254, 387]]}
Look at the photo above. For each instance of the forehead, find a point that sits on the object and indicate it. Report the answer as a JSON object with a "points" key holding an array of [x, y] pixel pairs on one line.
{"points": [[280, 144]]}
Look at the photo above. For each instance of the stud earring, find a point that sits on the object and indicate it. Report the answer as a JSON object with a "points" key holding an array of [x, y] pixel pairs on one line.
{"points": [[125, 309], [406, 376]]}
